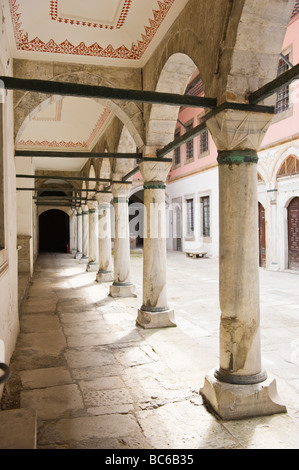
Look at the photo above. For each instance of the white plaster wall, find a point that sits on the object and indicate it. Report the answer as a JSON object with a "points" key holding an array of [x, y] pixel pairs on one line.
{"points": [[196, 186], [25, 204], [9, 323]]}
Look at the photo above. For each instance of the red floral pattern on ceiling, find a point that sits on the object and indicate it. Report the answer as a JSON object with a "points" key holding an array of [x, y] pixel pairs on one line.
{"points": [[95, 50], [120, 22]]}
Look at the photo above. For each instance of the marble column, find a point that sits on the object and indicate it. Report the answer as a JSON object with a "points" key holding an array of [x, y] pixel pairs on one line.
{"points": [[105, 272], [79, 233], [85, 234], [93, 263], [74, 251], [122, 285], [154, 312], [73, 243], [239, 387]]}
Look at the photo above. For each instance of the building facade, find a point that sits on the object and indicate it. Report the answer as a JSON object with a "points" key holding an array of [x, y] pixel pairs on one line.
{"points": [[193, 182]]}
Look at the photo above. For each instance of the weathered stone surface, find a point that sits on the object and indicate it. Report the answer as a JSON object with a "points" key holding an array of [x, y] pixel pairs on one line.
{"points": [[53, 402], [18, 429], [41, 378]]}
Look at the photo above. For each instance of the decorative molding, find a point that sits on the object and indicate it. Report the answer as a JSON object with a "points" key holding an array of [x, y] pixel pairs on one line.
{"points": [[121, 20], [95, 50]]}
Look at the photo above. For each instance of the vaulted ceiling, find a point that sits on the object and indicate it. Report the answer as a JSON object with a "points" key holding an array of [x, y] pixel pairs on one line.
{"points": [[100, 32]]}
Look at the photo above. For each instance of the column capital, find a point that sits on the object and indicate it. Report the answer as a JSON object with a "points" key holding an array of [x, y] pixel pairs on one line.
{"points": [[155, 172], [92, 205], [120, 190], [103, 198], [239, 130]]}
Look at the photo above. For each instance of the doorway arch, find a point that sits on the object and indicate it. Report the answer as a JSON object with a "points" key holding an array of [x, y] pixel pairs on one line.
{"points": [[262, 236], [293, 234], [54, 231]]}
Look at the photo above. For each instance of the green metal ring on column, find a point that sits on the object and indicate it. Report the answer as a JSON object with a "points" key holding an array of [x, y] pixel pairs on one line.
{"points": [[85, 213], [92, 211], [154, 186], [120, 200], [236, 157], [146, 308]]}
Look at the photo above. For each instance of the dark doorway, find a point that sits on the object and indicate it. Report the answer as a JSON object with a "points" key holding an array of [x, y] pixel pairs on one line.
{"points": [[262, 236], [293, 233], [136, 217], [54, 232]]}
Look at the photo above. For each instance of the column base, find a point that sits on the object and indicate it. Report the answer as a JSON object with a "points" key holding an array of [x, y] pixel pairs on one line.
{"points": [[122, 290], [161, 319], [104, 276], [92, 267], [84, 259], [78, 255], [233, 402]]}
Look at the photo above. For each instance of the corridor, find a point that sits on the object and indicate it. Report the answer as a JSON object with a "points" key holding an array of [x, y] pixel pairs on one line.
{"points": [[98, 381]]}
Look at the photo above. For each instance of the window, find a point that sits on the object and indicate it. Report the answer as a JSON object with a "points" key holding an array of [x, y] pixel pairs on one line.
{"points": [[177, 152], [189, 144], [289, 167], [283, 96], [203, 142], [206, 230], [190, 217]]}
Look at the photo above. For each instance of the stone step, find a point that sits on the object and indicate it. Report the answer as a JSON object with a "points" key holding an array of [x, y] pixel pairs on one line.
{"points": [[18, 429]]}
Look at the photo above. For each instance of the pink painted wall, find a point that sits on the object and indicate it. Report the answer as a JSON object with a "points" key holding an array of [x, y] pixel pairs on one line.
{"points": [[287, 124], [284, 127]]}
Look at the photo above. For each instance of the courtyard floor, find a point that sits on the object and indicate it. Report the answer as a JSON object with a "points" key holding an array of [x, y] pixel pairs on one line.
{"points": [[98, 381]]}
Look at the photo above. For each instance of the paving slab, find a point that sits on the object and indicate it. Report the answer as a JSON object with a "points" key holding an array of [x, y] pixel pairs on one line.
{"points": [[98, 381], [18, 429]]}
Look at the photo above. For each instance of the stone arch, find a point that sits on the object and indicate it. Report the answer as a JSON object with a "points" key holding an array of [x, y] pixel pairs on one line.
{"points": [[174, 78], [262, 173], [126, 143], [92, 174], [67, 210], [29, 104]]}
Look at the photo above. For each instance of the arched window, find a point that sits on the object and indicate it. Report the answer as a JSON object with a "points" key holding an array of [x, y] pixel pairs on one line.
{"points": [[289, 167]]}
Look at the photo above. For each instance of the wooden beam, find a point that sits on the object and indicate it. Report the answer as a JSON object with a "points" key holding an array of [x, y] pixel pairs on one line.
{"points": [[50, 154], [275, 85], [72, 178], [65, 190], [90, 91]]}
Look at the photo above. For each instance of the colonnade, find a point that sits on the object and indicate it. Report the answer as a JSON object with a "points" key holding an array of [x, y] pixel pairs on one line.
{"points": [[239, 387]]}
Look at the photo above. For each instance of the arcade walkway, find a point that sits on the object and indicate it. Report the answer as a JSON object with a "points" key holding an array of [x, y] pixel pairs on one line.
{"points": [[98, 381]]}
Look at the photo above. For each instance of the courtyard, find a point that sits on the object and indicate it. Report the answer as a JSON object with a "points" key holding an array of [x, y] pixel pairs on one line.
{"points": [[98, 381]]}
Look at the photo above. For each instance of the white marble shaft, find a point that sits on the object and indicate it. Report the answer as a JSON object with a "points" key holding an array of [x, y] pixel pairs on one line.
{"points": [[154, 312], [93, 236], [85, 233], [122, 285], [105, 272], [79, 233], [239, 388]]}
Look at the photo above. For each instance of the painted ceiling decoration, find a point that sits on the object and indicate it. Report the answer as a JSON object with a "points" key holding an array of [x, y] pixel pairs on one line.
{"points": [[57, 123], [119, 17]]}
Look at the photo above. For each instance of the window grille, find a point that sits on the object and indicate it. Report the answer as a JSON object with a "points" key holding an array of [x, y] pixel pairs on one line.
{"points": [[189, 144], [190, 217], [289, 167], [203, 142], [206, 229], [283, 95]]}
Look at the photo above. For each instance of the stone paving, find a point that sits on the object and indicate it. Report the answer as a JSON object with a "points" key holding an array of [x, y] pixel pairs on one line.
{"points": [[98, 381]]}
